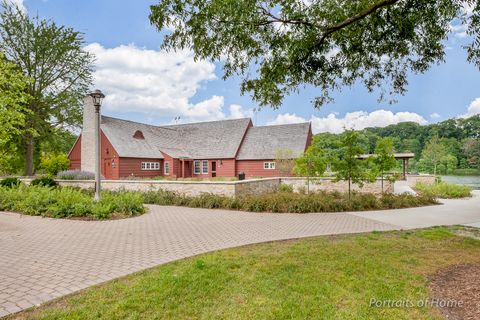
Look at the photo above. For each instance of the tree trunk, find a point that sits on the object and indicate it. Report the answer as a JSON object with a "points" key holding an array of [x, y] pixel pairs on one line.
{"points": [[382, 181], [308, 184], [349, 188], [30, 147]]}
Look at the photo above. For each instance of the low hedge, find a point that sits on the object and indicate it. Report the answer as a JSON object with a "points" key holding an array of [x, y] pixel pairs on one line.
{"points": [[69, 203], [444, 190], [285, 202]]}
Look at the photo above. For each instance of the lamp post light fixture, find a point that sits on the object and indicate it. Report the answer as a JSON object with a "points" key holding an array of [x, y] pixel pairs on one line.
{"points": [[97, 97]]}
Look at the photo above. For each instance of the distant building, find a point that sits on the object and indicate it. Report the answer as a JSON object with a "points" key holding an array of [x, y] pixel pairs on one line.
{"points": [[205, 149]]}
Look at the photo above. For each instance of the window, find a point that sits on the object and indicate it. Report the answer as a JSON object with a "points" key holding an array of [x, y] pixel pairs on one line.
{"points": [[150, 165], [269, 165], [196, 167], [204, 166], [166, 168]]}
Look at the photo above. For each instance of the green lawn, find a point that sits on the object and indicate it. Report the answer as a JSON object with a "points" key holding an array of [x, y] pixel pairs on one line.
{"points": [[330, 277]]}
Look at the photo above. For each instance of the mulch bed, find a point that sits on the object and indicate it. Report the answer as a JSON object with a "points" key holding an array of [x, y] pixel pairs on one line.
{"points": [[460, 286]]}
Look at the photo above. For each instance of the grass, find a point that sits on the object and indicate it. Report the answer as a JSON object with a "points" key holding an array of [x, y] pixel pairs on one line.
{"points": [[288, 202], [330, 277], [444, 190], [69, 203]]}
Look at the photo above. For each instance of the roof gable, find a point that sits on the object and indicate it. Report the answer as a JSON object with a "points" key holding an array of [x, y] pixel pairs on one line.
{"points": [[263, 142], [203, 140]]}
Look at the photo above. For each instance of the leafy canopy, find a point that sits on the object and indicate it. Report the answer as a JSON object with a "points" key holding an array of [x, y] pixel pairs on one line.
{"points": [[279, 46], [61, 72], [349, 166], [13, 110]]}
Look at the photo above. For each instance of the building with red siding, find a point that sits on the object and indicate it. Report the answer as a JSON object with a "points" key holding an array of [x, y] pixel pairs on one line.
{"points": [[206, 149]]}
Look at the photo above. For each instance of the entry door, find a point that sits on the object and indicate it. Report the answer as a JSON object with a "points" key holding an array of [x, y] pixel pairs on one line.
{"points": [[214, 169]]}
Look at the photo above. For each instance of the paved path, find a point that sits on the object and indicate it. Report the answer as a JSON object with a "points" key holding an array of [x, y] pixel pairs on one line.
{"points": [[42, 259]]}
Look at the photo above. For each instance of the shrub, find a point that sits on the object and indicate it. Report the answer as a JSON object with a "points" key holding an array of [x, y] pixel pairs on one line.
{"points": [[75, 175], [443, 190], [285, 188], [52, 164], [68, 202], [44, 181], [322, 201], [10, 182]]}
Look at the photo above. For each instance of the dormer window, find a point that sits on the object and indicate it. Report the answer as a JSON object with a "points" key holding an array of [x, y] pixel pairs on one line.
{"points": [[139, 135]]}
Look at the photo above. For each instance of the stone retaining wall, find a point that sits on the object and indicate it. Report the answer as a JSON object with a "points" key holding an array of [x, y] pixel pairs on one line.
{"points": [[226, 188], [424, 178], [327, 184]]}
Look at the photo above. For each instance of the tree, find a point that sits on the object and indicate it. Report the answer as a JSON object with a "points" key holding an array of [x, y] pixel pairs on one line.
{"points": [[277, 47], [284, 162], [471, 147], [312, 163], [52, 56], [13, 110], [384, 159], [433, 152], [349, 166]]}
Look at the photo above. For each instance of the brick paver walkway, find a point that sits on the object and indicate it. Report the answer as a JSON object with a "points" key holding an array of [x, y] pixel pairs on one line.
{"points": [[42, 259]]}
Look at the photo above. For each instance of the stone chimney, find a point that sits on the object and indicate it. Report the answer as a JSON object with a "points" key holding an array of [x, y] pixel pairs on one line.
{"points": [[88, 135]]}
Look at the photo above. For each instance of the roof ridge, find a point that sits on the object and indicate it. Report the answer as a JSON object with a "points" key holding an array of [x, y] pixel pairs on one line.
{"points": [[175, 125], [282, 125]]}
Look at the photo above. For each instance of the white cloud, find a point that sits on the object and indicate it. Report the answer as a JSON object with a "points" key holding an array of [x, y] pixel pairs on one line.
{"points": [[434, 115], [473, 109], [357, 120], [157, 83], [287, 118], [237, 112], [460, 30]]}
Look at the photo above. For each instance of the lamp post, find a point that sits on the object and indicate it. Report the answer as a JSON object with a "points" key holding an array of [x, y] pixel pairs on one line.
{"points": [[97, 97]]}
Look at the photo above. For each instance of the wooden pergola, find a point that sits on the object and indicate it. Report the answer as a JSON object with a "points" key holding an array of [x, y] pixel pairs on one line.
{"points": [[404, 157]]}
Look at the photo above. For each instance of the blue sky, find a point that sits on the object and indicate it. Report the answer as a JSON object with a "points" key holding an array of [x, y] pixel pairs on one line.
{"points": [[146, 85]]}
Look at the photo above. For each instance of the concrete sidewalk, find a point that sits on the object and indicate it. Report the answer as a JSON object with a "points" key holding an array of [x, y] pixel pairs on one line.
{"points": [[451, 212]]}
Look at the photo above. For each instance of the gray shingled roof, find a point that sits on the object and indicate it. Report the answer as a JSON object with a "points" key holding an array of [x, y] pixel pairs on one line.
{"points": [[263, 142], [203, 140]]}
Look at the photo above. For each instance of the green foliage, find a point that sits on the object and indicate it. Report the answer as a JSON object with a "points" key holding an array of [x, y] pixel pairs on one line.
{"points": [[471, 147], [348, 166], [13, 112], [284, 161], [312, 163], [384, 158], [61, 70], [285, 188], [44, 181], [69, 203], [10, 182], [52, 164], [278, 47], [444, 190], [285, 202]]}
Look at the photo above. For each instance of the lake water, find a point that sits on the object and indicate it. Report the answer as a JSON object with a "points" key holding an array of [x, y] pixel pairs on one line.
{"points": [[471, 181]]}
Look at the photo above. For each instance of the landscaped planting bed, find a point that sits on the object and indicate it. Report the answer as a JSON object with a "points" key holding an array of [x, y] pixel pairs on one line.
{"points": [[444, 190], [65, 202], [69, 203], [285, 202]]}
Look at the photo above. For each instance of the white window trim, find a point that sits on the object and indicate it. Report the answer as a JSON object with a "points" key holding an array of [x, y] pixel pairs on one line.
{"points": [[203, 167], [150, 166], [269, 165], [195, 167], [166, 168]]}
